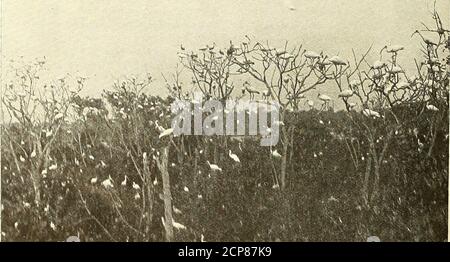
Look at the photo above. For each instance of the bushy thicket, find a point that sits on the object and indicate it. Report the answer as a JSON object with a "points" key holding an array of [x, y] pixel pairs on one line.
{"points": [[322, 202]]}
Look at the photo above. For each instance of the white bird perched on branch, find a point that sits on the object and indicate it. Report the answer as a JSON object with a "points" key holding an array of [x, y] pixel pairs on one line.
{"points": [[275, 154], [136, 186], [324, 98], [394, 48], [337, 60], [175, 224], [124, 182], [311, 55], [378, 64], [234, 156], [214, 167], [310, 104], [137, 196], [94, 180], [432, 108], [346, 93], [166, 132], [395, 70], [107, 183], [59, 116], [176, 210], [371, 113], [53, 167]]}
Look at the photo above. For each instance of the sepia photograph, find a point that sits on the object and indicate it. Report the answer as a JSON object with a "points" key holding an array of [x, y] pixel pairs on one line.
{"points": [[224, 121]]}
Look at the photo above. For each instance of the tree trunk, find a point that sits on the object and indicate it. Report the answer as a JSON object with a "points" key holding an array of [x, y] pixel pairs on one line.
{"points": [[365, 190], [168, 218], [149, 187], [376, 180], [284, 158], [36, 179], [283, 166]]}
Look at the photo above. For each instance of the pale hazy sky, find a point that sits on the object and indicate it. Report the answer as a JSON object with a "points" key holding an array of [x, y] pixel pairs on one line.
{"points": [[107, 39]]}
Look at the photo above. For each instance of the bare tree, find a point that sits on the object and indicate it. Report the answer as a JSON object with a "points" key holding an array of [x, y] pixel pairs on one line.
{"points": [[41, 110]]}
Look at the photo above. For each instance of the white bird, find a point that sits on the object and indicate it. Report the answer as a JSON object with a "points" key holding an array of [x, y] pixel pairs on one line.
{"points": [[403, 84], [311, 54], [432, 108], [22, 159], [351, 105], [175, 224], [214, 167], [346, 93], [137, 196], [234, 156], [160, 128], [53, 167], [324, 98], [178, 225], [33, 154], [286, 56], [124, 182], [176, 210], [276, 154], [369, 113], [136, 186], [107, 183], [166, 132], [48, 133], [310, 103], [378, 64], [337, 60], [94, 180], [186, 189], [373, 239], [59, 116], [53, 226], [394, 48], [395, 70]]}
